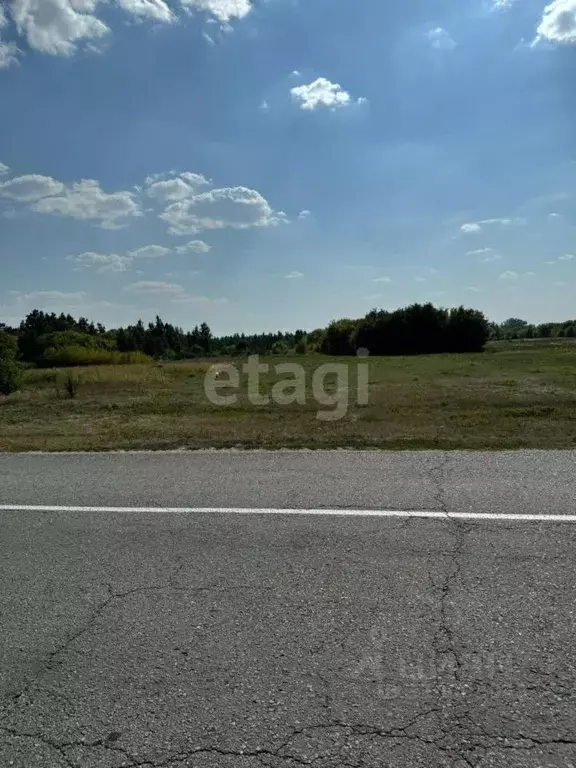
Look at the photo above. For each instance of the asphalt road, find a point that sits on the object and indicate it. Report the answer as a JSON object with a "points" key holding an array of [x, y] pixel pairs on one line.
{"points": [[240, 641]]}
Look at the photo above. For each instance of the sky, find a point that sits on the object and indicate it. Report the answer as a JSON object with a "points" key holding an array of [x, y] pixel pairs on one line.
{"points": [[276, 164]]}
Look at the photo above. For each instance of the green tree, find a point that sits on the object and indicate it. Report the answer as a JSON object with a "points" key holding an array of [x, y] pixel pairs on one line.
{"points": [[10, 369]]}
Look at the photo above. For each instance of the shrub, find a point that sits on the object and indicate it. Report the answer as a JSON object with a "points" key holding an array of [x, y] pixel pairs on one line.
{"points": [[71, 384], [302, 346], [71, 356], [10, 375]]}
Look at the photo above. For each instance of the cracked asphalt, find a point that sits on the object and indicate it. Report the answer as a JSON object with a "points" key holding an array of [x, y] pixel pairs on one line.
{"points": [[242, 641]]}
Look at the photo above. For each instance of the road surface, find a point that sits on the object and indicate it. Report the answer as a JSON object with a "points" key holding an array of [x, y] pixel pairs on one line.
{"points": [[402, 610]]}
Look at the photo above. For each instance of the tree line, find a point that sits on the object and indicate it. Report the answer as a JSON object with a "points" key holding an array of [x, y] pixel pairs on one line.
{"points": [[47, 339]]}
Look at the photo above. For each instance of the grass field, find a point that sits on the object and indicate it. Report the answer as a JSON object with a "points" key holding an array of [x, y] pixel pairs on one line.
{"points": [[514, 395]]}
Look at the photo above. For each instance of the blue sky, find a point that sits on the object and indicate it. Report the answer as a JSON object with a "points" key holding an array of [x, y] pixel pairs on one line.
{"points": [[279, 163]]}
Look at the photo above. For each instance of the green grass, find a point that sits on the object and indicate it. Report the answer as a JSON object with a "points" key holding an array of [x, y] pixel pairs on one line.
{"points": [[515, 395]]}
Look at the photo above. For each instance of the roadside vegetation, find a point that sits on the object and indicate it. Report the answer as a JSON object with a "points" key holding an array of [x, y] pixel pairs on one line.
{"points": [[517, 394]]}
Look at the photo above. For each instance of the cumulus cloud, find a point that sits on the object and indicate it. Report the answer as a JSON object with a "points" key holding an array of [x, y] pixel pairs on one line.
{"points": [[509, 275], [156, 10], [8, 54], [223, 10], [295, 275], [303, 215], [101, 262], [61, 27], [8, 51], [194, 246], [85, 200], [440, 39], [29, 188], [114, 262], [382, 280], [56, 26], [321, 93], [567, 257], [4, 170], [149, 252], [230, 207], [558, 23], [177, 188]]}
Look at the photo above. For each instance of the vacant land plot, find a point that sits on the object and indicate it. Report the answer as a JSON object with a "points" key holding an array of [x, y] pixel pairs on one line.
{"points": [[514, 395]]}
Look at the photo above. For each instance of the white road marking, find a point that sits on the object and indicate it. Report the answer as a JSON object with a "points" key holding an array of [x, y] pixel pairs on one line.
{"points": [[392, 513]]}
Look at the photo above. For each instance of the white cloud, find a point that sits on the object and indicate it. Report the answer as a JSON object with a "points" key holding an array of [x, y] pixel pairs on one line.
{"points": [[295, 275], [567, 257], [441, 39], [188, 299], [509, 275], [194, 246], [554, 216], [4, 170], [157, 10], [179, 188], [113, 262], [48, 298], [8, 53], [173, 292], [103, 262], [296, 73], [477, 226], [382, 280], [420, 280], [558, 22], [56, 26], [149, 252], [230, 207], [155, 287], [473, 289], [85, 200], [29, 188], [478, 252], [223, 10], [321, 93], [303, 215]]}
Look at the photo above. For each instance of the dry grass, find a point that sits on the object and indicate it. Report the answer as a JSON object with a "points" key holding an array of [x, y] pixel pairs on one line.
{"points": [[514, 395]]}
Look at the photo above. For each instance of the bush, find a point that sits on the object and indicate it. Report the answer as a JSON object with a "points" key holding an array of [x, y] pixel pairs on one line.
{"points": [[71, 384], [10, 375], [66, 357], [302, 346]]}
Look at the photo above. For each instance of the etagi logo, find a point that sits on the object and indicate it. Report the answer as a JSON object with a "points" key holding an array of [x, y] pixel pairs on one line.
{"points": [[331, 385]]}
